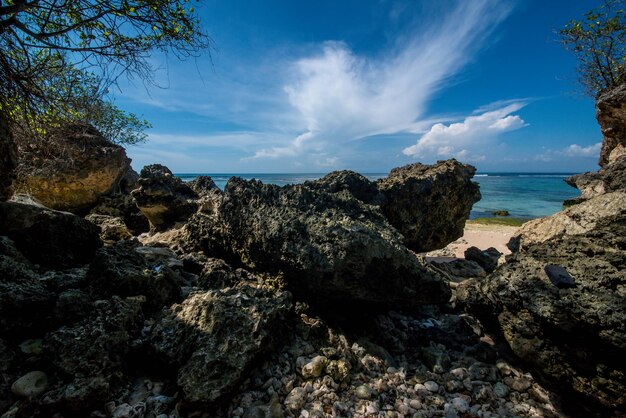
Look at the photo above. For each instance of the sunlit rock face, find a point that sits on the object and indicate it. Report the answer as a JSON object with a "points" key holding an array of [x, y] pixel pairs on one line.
{"points": [[71, 168], [611, 115]]}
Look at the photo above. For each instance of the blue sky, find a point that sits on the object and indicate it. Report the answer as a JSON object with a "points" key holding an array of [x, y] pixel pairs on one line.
{"points": [[316, 86]]}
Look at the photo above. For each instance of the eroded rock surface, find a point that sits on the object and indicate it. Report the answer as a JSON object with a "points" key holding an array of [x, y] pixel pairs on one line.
{"points": [[429, 204], [560, 302], [165, 199], [71, 168], [611, 115], [216, 336], [327, 246]]}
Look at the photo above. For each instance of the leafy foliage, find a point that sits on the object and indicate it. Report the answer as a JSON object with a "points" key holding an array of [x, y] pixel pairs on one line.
{"points": [[599, 42], [59, 57]]}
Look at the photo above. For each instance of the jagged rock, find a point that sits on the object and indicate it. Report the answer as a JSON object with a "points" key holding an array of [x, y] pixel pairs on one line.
{"points": [[215, 337], [47, 237], [560, 302], [461, 268], [217, 274], [487, 259], [327, 246], [92, 353], [8, 159], [121, 270], [164, 198], [111, 229], [611, 178], [123, 206], [429, 204], [209, 195], [354, 183], [70, 168], [611, 115], [575, 220]]}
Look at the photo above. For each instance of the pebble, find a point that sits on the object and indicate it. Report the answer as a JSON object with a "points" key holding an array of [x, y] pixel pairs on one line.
{"points": [[431, 386], [501, 390], [520, 384], [32, 346], [296, 399], [315, 367], [460, 404], [363, 392], [415, 404], [31, 384]]}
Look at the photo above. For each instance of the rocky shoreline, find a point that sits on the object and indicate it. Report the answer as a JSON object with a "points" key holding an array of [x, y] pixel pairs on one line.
{"points": [[158, 298]]}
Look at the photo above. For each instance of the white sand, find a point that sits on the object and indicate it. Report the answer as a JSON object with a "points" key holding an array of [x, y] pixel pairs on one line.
{"points": [[482, 236]]}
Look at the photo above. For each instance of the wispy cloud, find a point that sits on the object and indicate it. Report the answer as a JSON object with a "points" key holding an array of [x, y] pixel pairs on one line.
{"points": [[466, 140], [571, 151], [343, 96]]}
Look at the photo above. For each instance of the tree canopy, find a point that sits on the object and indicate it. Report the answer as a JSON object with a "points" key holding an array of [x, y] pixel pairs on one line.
{"points": [[58, 58], [599, 42]]}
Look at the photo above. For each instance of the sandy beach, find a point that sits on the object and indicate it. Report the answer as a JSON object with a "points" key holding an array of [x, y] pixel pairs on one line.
{"points": [[478, 235]]}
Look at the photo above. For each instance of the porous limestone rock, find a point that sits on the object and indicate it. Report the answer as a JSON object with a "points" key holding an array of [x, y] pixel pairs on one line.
{"points": [[611, 115], [579, 219], [610, 178], [215, 337], [122, 205], [328, 247], [560, 302], [92, 354], [429, 204], [121, 270], [112, 229], [166, 200], [48, 237], [71, 168]]}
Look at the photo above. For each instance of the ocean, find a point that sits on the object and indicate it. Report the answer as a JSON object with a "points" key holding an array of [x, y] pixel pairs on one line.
{"points": [[524, 195]]}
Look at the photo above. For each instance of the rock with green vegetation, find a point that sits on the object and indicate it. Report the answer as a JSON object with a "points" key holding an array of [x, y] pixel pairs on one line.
{"points": [[214, 338], [71, 168], [501, 213], [429, 204], [52, 239], [560, 301], [328, 247]]}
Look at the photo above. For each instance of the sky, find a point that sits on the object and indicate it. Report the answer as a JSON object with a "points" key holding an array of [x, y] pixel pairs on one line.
{"points": [[316, 86]]}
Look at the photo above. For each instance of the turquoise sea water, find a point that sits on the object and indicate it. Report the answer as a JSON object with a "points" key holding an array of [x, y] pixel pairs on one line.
{"points": [[524, 195]]}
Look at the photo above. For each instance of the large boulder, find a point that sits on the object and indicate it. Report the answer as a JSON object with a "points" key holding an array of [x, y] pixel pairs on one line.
{"points": [[611, 115], [71, 168], [122, 206], [8, 159], [429, 204], [576, 220], [560, 302], [329, 247], [214, 338], [166, 200], [48, 237]]}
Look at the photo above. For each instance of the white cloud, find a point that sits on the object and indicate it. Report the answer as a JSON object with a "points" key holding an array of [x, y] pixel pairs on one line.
{"points": [[343, 96], [575, 150], [571, 151], [473, 133]]}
